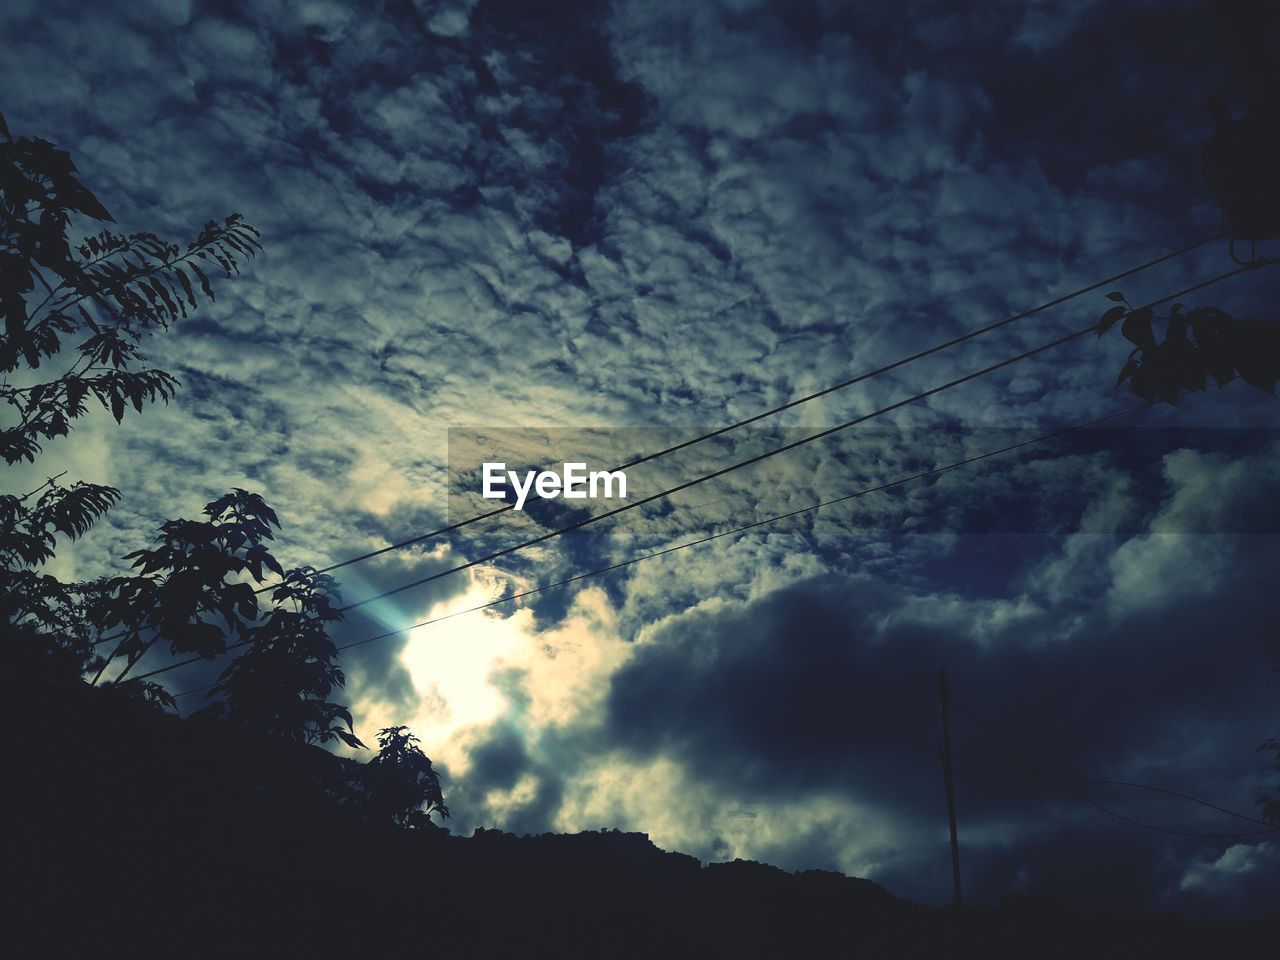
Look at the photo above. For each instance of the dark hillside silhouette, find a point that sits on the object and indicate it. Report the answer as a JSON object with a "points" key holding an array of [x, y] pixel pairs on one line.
{"points": [[141, 832]]}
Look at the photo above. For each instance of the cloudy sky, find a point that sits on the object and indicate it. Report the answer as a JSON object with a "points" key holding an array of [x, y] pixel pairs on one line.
{"points": [[651, 218]]}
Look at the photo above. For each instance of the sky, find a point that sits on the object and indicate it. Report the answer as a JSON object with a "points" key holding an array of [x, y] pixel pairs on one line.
{"points": [[595, 229]]}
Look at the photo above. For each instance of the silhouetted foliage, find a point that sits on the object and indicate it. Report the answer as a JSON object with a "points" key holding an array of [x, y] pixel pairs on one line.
{"points": [[109, 292], [1198, 344], [399, 783], [40, 604], [281, 684], [182, 588], [28, 535], [193, 591]]}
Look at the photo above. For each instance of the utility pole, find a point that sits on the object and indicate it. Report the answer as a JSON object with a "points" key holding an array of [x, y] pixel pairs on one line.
{"points": [[944, 695]]}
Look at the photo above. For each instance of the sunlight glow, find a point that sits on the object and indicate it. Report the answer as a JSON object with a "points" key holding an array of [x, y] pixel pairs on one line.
{"points": [[451, 663]]}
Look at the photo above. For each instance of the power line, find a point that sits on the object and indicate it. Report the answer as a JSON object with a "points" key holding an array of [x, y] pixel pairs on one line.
{"points": [[1237, 834], [1267, 828], [972, 334], [693, 543], [879, 371], [748, 462], [744, 464], [1080, 794], [1091, 328], [1180, 796]]}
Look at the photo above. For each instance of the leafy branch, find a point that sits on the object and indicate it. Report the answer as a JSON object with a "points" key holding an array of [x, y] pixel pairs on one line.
{"points": [[1198, 344], [280, 686], [28, 534], [108, 293], [399, 783]]}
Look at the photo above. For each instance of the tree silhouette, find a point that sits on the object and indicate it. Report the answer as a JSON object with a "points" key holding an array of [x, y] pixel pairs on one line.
{"points": [[111, 291], [182, 589], [107, 294], [193, 591], [281, 686], [399, 782]]}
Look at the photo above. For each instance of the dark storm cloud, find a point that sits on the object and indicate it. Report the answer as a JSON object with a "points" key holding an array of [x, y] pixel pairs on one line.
{"points": [[818, 684], [805, 704], [814, 681]]}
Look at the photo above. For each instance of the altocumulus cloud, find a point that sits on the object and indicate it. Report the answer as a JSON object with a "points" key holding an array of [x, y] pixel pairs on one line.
{"points": [[646, 213]]}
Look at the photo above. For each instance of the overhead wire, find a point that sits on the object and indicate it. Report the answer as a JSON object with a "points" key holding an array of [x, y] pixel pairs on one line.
{"points": [[791, 404], [662, 494], [1073, 785], [755, 418], [704, 478], [935, 471], [752, 460]]}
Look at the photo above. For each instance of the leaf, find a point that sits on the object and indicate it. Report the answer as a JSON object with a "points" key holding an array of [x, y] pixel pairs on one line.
{"points": [[1260, 379], [205, 639], [88, 319], [186, 286], [204, 281], [161, 289], [1116, 295], [74, 510], [75, 196], [75, 396], [350, 739], [1127, 371], [1137, 328], [1108, 319]]}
